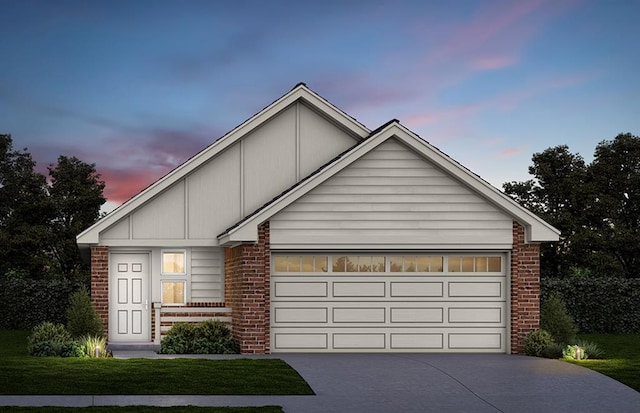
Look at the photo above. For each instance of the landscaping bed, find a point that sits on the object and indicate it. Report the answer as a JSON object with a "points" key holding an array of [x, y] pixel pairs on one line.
{"points": [[23, 374]]}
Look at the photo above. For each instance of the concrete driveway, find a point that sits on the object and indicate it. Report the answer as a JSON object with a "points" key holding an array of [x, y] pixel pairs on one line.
{"points": [[410, 383], [455, 383]]}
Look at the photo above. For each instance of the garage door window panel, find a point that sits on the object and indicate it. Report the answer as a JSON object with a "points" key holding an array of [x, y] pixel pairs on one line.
{"points": [[474, 264], [300, 263], [415, 263]]}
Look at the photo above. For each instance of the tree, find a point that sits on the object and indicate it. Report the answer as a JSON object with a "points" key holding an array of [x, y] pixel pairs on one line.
{"points": [[24, 212], [596, 206], [75, 194], [615, 172], [38, 220], [559, 193]]}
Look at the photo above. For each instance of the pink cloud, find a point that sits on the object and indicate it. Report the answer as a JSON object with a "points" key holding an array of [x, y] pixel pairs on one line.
{"points": [[450, 114], [122, 184], [511, 151], [493, 62]]}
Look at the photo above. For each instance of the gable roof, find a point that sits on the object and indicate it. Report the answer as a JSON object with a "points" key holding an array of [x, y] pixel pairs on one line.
{"points": [[536, 229], [300, 92]]}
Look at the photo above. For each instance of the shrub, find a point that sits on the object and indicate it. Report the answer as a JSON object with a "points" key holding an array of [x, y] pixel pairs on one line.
{"points": [[591, 349], [536, 341], [555, 319], [25, 303], [70, 349], [49, 339], [570, 353], [52, 348], [179, 339], [599, 304], [82, 317], [552, 351], [88, 344], [208, 337], [48, 332], [219, 336]]}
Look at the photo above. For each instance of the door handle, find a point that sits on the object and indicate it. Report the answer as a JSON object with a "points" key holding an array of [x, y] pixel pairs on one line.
{"points": [[146, 304]]}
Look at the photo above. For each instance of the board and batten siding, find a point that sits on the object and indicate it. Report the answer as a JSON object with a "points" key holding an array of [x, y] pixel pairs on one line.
{"points": [[207, 280], [391, 198], [235, 182]]}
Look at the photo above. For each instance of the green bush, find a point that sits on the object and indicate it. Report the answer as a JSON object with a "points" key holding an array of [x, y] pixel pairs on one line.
{"points": [[208, 337], [52, 348], [599, 305], [49, 339], [219, 337], [89, 343], [552, 351], [570, 353], [555, 319], [179, 339], [82, 317], [25, 302], [591, 349], [536, 342], [70, 349], [48, 332]]}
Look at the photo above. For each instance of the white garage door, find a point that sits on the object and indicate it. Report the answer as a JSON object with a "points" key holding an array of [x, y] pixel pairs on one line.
{"points": [[372, 302]]}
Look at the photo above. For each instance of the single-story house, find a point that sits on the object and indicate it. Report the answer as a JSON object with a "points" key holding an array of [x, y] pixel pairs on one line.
{"points": [[306, 231]]}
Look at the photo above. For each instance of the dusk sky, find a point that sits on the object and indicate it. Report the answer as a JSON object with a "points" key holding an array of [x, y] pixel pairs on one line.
{"points": [[137, 87]]}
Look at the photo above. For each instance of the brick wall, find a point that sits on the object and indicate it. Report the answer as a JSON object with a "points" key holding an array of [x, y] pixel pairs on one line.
{"points": [[215, 311], [525, 289], [247, 292], [100, 284]]}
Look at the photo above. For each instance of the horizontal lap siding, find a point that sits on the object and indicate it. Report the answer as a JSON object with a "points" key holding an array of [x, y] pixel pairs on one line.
{"points": [[391, 196], [207, 282]]}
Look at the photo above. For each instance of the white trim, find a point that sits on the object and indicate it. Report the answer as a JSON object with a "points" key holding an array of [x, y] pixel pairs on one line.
{"points": [[174, 281], [184, 263], [91, 236], [536, 229]]}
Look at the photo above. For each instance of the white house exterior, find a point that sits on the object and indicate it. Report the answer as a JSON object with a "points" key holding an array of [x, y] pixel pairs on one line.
{"points": [[306, 231]]}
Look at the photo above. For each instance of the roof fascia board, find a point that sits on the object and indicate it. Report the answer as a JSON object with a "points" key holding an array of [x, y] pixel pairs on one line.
{"points": [[91, 235], [537, 229]]}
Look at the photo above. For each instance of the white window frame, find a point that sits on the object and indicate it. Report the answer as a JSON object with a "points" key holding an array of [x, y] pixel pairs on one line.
{"points": [[173, 251], [184, 292], [174, 277]]}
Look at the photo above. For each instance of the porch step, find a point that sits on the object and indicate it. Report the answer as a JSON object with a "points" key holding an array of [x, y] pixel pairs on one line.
{"points": [[133, 347]]}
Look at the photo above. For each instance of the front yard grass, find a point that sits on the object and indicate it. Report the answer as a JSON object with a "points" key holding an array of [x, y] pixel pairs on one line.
{"points": [[622, 361], [22, 374]]}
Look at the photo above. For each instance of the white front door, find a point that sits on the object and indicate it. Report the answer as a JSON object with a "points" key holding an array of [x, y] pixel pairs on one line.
{"points": [[129, 307]]}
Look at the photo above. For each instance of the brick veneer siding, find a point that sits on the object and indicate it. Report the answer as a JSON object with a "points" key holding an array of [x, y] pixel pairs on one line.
{"points": [[194, 310], [525, 289], [247, 292], [100, 284]]}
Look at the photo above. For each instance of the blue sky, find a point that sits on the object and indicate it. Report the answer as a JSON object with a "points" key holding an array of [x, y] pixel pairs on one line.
{"points": [[137, 87]]}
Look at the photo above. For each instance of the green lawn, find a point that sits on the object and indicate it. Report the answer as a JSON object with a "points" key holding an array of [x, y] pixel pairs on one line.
{"points": [[22, 374], [144, 409], [622, 360]]}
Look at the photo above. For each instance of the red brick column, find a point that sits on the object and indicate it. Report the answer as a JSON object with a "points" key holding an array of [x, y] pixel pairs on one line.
{"points": [[247, 292], [100, 283], [525, 289]]}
